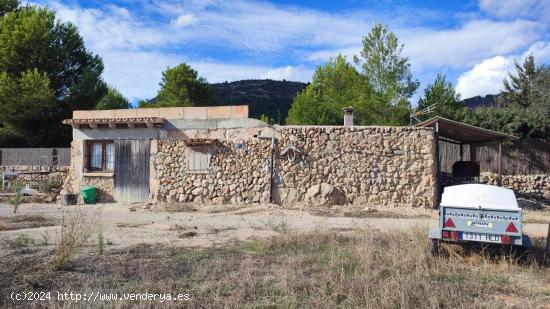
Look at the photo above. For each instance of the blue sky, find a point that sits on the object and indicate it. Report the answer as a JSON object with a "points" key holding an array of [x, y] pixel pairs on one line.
{"points": [[473, 42]]}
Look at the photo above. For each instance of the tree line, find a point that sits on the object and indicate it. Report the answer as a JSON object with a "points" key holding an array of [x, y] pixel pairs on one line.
{"points": [[46, 72], [379, 85]]}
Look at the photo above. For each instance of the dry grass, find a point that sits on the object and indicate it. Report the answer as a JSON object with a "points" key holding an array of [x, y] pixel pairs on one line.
{"points": [[130, 224], [185, 231], [76, 229], [536, 216], [272, 224], [25, 222], [318, 270], [211, 209], [371, 213]]}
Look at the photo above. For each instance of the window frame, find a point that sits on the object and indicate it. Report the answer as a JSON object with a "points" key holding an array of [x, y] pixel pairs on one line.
{"points": [[103, 144]]}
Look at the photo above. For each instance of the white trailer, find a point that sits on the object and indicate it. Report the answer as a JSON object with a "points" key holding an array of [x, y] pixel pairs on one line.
{"points": [[480, 213]]}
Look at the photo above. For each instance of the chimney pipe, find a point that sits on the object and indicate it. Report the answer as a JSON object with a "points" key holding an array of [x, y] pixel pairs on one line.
{"points": [[348, 116]]}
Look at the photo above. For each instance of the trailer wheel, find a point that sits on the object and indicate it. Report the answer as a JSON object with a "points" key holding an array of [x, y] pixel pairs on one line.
{"points": [[521, 254], [435, 248]]}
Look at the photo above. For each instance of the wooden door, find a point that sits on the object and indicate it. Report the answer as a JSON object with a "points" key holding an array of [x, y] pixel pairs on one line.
{"points": [[131, 171]]}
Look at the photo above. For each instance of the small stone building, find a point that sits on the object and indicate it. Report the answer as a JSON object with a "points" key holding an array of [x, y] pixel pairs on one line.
{"points": [[218, 155]]}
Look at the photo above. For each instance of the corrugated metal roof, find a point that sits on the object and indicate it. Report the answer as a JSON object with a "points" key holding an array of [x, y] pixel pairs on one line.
{"points": [[465, 133]]}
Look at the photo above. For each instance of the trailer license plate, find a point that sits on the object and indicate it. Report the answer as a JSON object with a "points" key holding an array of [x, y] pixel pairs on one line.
{"points": [[481, 237]]}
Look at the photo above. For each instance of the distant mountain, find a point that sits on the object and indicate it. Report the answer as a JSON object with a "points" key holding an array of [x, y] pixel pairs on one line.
{"points": [[486, 101], [263, 96]]}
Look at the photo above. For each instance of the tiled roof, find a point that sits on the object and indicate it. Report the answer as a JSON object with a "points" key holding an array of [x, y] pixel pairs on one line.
{"points": [[134, 120]]}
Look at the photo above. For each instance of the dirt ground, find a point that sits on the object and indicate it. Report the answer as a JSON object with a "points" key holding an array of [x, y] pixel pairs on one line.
{"points": [[125, 225], [257, 256]]}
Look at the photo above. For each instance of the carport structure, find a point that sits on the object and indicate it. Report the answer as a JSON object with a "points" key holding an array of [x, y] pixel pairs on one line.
{"points": [[461, 134]]}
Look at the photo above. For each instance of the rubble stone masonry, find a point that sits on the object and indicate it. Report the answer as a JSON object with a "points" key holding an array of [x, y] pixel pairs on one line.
{"points": [[48, 173], [523, 185], [378, 166], [370, 166], [238, 173]]}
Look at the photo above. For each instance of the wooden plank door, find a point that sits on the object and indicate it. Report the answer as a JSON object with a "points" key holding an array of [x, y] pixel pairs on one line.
{"points": [[131, 171]]}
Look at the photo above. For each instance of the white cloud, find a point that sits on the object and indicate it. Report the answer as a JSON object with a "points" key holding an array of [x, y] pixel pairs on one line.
{"points": [[541, 52], [516, 8], [485, 77], [137, 74], [111, 27], [324, 55], [289, 73], [184, 20], [137, 46], [453, 48], [469, 44]]}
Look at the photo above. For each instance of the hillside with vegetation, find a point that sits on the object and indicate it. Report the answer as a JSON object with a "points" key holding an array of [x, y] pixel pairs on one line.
{"points": [[490, 100], [271, 98]]}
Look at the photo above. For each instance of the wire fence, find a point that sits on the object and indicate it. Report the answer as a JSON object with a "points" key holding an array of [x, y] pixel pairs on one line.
{"points": [[35, 156], [523, 157]]}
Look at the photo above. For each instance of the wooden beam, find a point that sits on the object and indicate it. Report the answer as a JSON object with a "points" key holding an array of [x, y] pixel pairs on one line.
{"points": [[112, 125], [446, 140], [461, 152], [93, 125], [131, 125], [473, 156], [150, 125]]}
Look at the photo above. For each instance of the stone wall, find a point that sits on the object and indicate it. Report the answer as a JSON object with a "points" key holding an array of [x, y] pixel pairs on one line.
{"points": [[238, 173], [104, 187], [51, 173], [523, 185], [370, 166]]}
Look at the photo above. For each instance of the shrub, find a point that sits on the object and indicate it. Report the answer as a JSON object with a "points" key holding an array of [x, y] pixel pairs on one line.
{"points": [[76, 229]]}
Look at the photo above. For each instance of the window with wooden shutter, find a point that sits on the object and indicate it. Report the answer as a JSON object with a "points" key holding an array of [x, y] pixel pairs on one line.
{"points": [[198, 158]]}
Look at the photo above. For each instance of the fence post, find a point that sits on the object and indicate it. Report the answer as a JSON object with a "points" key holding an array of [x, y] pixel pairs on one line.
{"points": [[55, 158]]}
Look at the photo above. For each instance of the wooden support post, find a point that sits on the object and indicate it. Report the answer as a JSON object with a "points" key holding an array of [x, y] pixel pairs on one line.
{"points": [[437, 165], [461, 152], [499, 164], [548, 243], [473, 155]]}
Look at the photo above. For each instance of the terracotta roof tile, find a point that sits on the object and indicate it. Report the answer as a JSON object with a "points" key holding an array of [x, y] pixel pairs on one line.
{"points": [[156, 120]]}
